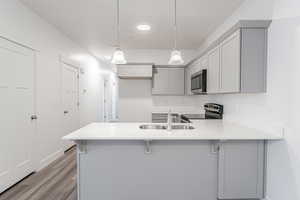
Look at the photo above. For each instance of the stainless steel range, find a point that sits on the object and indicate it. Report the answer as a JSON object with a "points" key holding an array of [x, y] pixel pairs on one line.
{"points": [[212, 111]]}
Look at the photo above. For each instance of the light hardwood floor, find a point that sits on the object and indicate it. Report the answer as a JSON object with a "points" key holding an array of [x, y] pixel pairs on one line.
{"points": [[55, 182]]}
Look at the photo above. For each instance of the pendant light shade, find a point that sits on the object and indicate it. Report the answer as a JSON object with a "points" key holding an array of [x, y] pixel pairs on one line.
{"points": [[176, 58], [118, 57]]}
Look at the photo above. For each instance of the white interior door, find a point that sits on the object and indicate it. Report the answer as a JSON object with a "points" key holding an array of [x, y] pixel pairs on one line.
{"points": [[70, 97], [17, 66]]}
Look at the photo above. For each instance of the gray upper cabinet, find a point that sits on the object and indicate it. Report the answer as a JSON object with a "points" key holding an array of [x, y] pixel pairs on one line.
{"points": [[176, 81], [188, 74], [160, 80], [132, 71], [237, 61], [213, 71], [168, 81], [254, 60], [241, 170], [230, 64]]}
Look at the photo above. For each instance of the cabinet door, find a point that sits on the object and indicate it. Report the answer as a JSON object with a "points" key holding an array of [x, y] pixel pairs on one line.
{"points": [[198, 65], [134, 71], [176, 81], [241, 170], [173, 170], [188, 75], [168, 81], [160, 81], [230, 64], [204, 62], [213, 71]]}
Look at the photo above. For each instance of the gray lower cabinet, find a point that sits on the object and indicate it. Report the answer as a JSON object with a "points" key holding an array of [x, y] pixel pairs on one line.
{"points": [[171, 170], [241, 170], [174, 170]]}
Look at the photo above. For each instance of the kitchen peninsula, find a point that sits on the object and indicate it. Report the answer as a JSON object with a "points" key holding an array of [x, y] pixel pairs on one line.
{"points": [[214, 160]]}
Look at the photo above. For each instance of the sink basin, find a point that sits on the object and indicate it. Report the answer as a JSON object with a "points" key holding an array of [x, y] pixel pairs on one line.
{"points": [[164, 127], [187, 127], [153, 126]]}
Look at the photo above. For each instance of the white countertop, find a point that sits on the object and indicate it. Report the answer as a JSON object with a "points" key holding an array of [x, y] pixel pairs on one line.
{"points": [[204, 130]]}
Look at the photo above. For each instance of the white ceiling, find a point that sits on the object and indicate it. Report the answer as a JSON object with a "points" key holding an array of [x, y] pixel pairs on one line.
{"points": [[92, 22]]}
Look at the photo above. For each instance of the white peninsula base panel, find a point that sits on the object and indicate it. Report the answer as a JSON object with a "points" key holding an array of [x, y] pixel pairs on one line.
{"points": [[170, 170]]}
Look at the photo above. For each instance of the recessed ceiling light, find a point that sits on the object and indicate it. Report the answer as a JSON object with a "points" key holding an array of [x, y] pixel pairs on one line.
{"points": [[143, 27]]}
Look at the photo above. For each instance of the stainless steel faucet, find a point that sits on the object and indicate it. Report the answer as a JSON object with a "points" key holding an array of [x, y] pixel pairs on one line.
{"points": [[169, 127]]}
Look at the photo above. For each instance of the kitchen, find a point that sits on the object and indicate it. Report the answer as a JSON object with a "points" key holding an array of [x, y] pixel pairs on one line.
{"points": [[236, 62]]}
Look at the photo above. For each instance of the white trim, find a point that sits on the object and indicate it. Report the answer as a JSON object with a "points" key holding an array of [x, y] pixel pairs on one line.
{"points": [[68, 61], [49, 159], [18, 43], [75, 66]]}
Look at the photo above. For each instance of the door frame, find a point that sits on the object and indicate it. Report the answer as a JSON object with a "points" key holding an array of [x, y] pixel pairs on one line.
{"points": [[33, 155], [105, 110], [75, 65]]}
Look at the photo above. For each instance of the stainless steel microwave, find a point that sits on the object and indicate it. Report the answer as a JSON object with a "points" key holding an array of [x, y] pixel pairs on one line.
{"points": [[199, 82]]}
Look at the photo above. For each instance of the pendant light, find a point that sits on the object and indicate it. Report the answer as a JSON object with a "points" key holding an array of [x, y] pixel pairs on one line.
{"points": [[118, 57], [176, 58]]}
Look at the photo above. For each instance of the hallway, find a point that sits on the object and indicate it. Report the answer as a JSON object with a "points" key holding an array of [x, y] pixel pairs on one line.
{"points": [[55, 182]]}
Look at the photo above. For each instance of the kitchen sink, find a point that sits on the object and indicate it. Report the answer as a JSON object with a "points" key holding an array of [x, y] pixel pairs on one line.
{"points": [[153, 126], [164, 127], [187, 127]]}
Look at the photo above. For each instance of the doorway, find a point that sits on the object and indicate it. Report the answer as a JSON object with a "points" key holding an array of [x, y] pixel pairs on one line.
{"points": [[70, 100], [17, 116]]}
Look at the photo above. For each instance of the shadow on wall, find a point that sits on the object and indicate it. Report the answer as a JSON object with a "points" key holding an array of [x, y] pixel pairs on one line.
{"points": [[282, 175], [284, 157]]}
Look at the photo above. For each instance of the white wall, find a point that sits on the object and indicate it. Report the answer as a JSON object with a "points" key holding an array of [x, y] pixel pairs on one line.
{"points": [[136, 102], [21, 25], [279, 107], [157, 56]]}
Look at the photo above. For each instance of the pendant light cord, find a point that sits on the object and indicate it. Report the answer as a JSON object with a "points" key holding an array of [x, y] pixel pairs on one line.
{"points": [[118, 24], [175, 24]]}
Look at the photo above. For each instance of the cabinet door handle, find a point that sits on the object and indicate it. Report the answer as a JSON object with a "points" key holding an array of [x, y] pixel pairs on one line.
{"points": [[33, 117], [215, 147], [66, 112]]}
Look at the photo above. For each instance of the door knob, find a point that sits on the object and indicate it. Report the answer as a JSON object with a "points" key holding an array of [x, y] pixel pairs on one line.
{"points": [[33, 117], [66, 112]]}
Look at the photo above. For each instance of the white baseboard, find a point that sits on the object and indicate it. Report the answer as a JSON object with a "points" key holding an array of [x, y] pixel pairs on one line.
{"points": [[50, 158]]}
